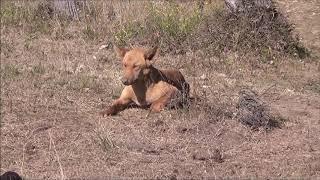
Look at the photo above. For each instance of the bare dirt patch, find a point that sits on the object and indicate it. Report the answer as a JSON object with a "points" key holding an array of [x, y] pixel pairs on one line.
{"points": [[305, 15]]}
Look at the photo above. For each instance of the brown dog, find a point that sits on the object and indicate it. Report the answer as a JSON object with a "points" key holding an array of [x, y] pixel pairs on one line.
{"points": [[145, 85]]}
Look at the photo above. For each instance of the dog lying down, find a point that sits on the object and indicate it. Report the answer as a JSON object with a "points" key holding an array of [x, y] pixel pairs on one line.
{"points": [[147, 86]]}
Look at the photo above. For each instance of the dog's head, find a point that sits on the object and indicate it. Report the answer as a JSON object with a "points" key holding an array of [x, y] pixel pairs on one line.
{"points": [[135, 62]]}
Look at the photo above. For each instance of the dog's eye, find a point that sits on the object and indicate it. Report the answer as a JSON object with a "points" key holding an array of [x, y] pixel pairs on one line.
{"points": [[124, 65], [135, 66]]}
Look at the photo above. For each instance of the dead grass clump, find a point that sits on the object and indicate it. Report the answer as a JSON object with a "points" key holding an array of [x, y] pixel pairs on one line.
{"points": [[264, 32], [254, 113], [83, 83], [103, 139], [44, 10], [207, 110], [104, 142], [203, 155], [313, 86], [38, 69]]}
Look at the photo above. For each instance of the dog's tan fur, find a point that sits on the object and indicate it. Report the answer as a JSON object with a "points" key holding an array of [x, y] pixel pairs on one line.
{"points": [[146, 85]]}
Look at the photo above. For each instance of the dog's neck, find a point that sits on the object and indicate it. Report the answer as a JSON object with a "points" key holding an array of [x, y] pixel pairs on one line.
{"points": [[153, 76], [149, 79], [141, 86]]}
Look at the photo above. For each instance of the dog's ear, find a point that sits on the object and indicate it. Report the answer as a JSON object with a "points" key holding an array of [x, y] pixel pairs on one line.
{"points": [[149, 54], [120, 51]]}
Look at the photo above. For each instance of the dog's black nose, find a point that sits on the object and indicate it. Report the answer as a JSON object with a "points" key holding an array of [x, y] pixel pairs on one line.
{"points": [[125, 81]]}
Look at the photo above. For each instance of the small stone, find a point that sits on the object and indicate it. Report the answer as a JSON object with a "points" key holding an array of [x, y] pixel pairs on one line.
{"points": [[103, 47], [203, 77]]}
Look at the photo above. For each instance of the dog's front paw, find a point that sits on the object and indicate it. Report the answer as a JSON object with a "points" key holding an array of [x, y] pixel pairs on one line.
{"points": [[110, 111]]}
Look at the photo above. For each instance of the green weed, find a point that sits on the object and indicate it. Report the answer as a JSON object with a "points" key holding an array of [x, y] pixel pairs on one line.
{"points": [[10, 71], [38, 69], [127, 32]]}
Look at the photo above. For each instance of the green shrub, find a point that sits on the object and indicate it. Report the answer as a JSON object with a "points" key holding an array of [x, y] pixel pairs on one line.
{"points": [[173, 24], [170, 20], [126, 32], [170, 23]]}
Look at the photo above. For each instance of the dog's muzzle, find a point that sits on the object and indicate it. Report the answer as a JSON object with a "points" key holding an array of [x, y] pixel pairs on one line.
{"points": [[127, 82]]}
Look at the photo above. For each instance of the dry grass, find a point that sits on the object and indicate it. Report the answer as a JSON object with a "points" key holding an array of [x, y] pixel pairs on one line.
{"points": [[57, 74]]}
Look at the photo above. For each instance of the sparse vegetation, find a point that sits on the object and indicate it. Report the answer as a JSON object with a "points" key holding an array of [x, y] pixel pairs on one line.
{"points": [[89, 33], [6, 48], [9, 71], [261, 32], [103, 141], [83, 82], [127, 32], [313, 86], [173, 24], [38, 69]]}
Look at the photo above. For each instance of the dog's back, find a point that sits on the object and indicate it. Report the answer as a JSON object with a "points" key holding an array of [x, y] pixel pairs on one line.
{"points": [[176, 78]]}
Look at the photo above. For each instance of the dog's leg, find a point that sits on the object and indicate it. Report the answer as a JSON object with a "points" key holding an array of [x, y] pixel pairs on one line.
{"points": [[117, 106], [121, 103], [159, 104]]}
